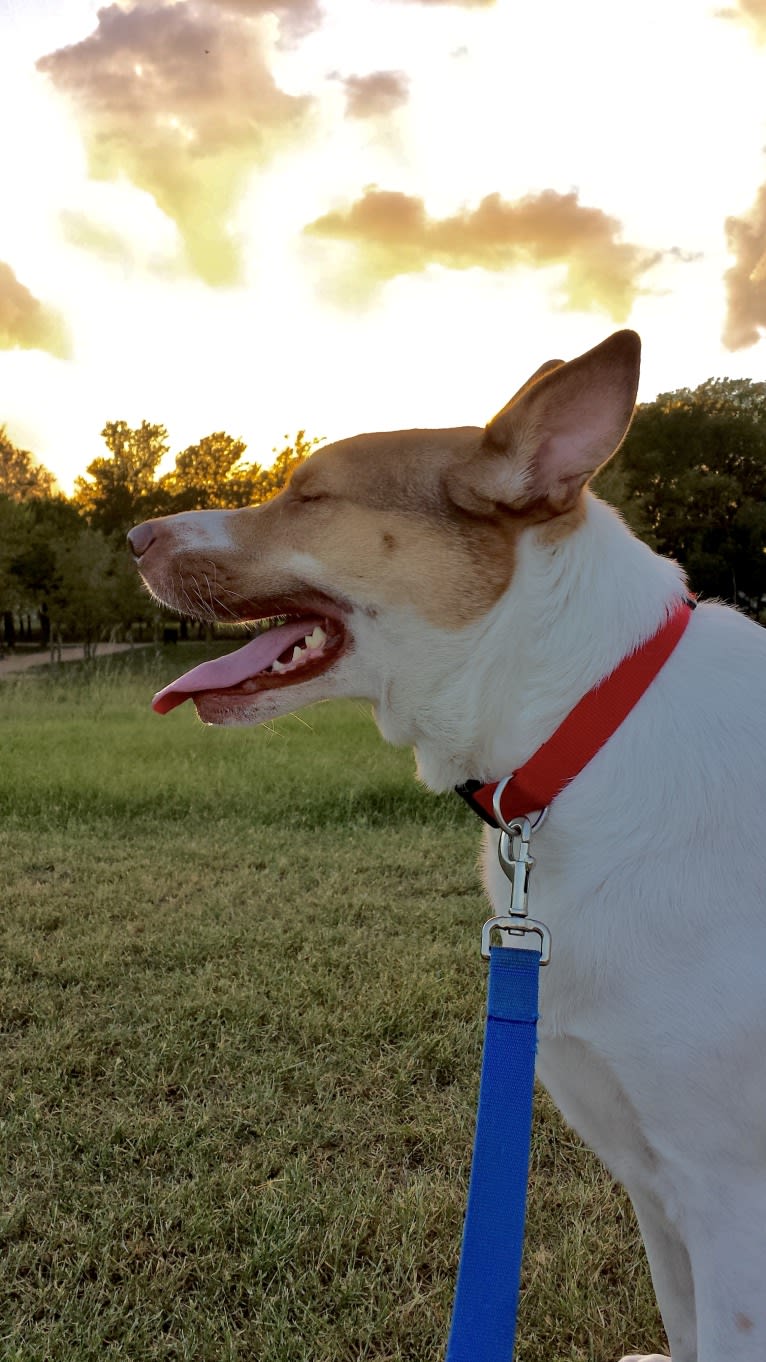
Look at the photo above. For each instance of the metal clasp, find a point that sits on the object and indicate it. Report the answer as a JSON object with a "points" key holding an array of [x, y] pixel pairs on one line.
{"points": [[517, 864], [513, 927]]}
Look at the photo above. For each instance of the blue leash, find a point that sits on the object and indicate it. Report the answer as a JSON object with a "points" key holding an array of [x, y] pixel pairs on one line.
{"points": [[486, 1300]]}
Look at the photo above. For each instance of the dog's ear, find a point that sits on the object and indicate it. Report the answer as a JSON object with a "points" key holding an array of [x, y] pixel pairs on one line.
{"points": [[546, 368], [565, 422]]}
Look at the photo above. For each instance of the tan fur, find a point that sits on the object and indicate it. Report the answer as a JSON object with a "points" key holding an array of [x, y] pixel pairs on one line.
{"points": [[375, 512], [559, 527]]}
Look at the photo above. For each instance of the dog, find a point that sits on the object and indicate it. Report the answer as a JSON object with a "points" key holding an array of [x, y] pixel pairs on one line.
{"points": [[469, 584]]}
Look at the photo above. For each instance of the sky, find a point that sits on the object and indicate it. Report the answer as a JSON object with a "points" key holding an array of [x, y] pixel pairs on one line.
{"points": [[261, 216]]}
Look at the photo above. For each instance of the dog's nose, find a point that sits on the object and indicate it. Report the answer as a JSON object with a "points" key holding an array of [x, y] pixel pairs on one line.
{"points": [[140, 537]]}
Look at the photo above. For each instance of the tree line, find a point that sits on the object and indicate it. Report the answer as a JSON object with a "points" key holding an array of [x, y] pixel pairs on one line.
{"points": [[690, 480], [64, 569]]}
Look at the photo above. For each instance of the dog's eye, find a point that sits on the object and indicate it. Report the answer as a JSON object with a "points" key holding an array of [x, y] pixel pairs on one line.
{"points": [[306, 497]]}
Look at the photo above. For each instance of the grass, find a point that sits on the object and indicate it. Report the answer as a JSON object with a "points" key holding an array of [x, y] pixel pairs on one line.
{"points": [[240, 1032]]}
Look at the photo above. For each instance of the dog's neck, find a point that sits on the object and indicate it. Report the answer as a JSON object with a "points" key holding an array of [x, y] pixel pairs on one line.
{"points": [[485, 697]]}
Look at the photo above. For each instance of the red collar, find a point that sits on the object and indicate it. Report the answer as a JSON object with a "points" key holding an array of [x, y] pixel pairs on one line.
{"points": [[583, 732]]}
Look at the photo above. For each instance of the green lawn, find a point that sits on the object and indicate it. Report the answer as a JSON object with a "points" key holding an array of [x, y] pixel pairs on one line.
{"points": [[240, 1033]]}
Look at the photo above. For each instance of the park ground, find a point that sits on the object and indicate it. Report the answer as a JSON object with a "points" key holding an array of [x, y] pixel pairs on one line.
{"points": [[240, 1034], [27, 659]]}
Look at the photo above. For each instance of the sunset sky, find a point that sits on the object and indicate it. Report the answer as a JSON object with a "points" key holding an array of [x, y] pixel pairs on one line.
{"points": [[260, 215]]}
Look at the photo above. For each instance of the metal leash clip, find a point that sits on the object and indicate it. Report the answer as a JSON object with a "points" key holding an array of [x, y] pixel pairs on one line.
{"points": [[517, 863]]}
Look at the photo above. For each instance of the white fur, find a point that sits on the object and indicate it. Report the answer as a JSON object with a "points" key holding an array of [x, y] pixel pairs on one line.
{"points": [[650, 876], [198, 529]]}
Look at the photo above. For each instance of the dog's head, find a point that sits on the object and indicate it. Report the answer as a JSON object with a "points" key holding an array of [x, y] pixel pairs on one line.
{"points": [[386, 552]]}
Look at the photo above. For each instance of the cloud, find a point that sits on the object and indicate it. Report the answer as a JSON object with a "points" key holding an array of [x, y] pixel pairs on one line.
{"points": [[179, 100], [297, 16], [750, 12], [746, 280], [393, 235], [26, 323], [378, 93], [464, 4], [80, 230], [129, 254]]}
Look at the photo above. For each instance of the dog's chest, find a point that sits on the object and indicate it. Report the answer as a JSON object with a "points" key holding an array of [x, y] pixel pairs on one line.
{"points": [[577, 1000]]}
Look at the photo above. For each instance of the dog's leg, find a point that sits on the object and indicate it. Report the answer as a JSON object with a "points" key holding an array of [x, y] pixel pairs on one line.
{"points": [[672, 1280], [591, 1099], [728, 1258]]}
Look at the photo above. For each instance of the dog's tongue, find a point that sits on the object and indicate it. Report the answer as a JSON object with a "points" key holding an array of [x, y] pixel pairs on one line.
{"points": [[231, 670]]}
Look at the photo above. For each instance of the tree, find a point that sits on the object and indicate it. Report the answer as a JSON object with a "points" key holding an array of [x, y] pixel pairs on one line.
{"points": [[210, 474], [97, 589], [272, 480], [691, 479], [63, 557], [120, 489], [83, 603], [49, 525], [12, 536], [21, 476]]}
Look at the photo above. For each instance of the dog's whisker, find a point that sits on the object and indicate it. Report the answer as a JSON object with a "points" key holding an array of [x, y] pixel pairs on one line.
{"points": [[213, 602], [217, 605], [226, 591], [182, 596], [202, 608]]}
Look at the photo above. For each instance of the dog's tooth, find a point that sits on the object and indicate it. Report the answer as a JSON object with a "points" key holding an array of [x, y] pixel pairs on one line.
{"points": [[278, 666], [316, 639], [297, 652]]}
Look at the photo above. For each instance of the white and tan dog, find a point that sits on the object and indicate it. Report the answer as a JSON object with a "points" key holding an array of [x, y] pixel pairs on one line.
{"points": [[468, 583]]}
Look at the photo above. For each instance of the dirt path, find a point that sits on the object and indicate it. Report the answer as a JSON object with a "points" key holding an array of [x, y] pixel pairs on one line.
{"points": [[13, 663]]}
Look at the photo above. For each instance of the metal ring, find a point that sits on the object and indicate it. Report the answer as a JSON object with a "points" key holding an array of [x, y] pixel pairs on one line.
{"points": [[508, 861], [513, 828], [518, 927]]}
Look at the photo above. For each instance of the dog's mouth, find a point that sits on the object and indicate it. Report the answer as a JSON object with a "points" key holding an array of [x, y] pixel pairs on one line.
{"points": [[299, 649]]}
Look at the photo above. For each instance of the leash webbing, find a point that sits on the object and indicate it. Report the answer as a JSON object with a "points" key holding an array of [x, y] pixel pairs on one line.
{"points": [[484, 1314]]}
